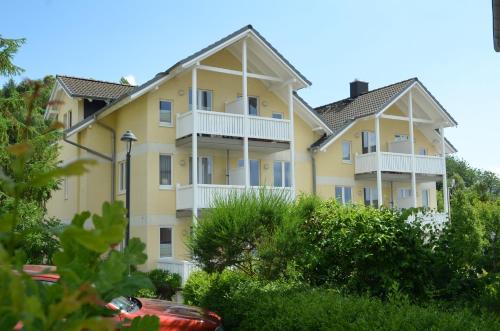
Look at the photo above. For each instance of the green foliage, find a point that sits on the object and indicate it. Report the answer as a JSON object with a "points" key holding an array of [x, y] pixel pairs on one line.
{"points": [[165, 283], [248, 304], [8, 48], [92, 271], [21, 119], [365, 249], [253, 232]]}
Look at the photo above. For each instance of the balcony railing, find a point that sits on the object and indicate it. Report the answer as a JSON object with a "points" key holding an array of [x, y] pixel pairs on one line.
{"points": [[399, 162], [232, 125], [182, 268], [208, 193]]}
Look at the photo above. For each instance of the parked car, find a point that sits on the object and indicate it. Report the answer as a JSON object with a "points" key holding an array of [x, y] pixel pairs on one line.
{"points": [[173, 316]]}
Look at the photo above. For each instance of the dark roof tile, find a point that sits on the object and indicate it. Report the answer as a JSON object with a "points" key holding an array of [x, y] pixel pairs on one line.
{"points": [[93, 89]]}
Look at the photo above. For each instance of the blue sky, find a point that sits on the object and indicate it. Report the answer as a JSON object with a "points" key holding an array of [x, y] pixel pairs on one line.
{"points": [[447, 44]]}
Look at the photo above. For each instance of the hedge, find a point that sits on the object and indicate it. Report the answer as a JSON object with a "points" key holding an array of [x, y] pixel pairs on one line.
{"points": [[247, 304]]}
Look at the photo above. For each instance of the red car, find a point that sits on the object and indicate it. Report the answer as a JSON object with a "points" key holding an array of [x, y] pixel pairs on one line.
{"points": [[172, 316]]}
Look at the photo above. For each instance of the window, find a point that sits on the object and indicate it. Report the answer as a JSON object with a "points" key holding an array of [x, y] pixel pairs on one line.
{"points": [[425, 198], [165, 170], [204, 100], [65, 120], [422, 151], [346, 151], [122, 185], [166, 242], [370, 196], [165, 112], [253, 106], [204, 170], [343, 194], [65, 188], [368, 142], [404, 193], [281, 172], [278, 116], [401, 137], [254, 171]]}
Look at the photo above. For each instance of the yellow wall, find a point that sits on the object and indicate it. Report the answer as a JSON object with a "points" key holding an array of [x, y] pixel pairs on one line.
{"points": [[334, 171]]}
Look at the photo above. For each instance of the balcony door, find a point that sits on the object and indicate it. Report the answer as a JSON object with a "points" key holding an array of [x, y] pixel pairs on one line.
{"points": [[204, 100], [254, 171], [253, 105], [204, 170], [368, 142]]}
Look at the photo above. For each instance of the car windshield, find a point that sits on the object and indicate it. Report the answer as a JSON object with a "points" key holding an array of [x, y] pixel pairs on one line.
{"points": [[125, 304]]}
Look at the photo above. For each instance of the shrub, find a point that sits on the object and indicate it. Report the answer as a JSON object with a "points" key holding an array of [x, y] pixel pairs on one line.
{"points": [[254, 232], [165, 284], [364, 249], [249, 304]]}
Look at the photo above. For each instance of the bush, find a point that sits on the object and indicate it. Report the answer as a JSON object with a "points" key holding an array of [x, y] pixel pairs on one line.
{"points": [[248, 304], [165, 284], [364, 249]]}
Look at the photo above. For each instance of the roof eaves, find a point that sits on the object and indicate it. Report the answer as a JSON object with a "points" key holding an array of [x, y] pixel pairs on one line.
{"points": [[438, 103], [313, 111]]}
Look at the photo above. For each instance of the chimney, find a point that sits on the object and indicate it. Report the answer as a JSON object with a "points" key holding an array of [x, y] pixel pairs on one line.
{"points": [[357, 88]]}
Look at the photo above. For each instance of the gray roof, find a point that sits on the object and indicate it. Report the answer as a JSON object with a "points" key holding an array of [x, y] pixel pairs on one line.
{"points": [[93, 89], [340, 114]]}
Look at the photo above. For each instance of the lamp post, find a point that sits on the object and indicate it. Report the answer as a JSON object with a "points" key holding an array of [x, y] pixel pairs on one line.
{"points": [[128, 138]]}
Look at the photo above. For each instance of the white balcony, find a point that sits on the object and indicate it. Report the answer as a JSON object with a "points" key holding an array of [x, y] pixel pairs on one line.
{"points": [[208, 193], [232, 125], [399, 162], [180, 267]]}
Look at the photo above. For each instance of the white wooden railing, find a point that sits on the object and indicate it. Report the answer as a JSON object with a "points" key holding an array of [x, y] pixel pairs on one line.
{"points": [[232, 125], [208, 193], [269, 128], [398, 162], [180, 267]]}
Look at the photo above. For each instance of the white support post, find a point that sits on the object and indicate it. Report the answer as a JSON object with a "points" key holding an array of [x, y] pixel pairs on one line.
{"points": [[194, 162], [379, 161], [292, 140], [445, 179], [246, 162], [412, 151]]}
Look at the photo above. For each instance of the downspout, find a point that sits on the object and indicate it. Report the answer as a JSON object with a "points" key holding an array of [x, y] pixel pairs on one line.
{"points": [[111, 158], [312, 152]]}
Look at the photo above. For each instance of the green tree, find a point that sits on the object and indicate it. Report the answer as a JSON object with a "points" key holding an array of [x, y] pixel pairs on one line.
{"points": [[8, 48]]}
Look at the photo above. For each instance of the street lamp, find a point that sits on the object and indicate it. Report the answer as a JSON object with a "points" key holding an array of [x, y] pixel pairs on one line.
{"points": [[128, 138]]}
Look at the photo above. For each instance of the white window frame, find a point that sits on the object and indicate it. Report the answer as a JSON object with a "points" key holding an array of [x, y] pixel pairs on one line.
{"points": [[401, 137], [404, 193], [200, 163], [171, 242], [166, 186], [283, 174], [373, 193], [241, 164], [282, 116], [66, 187], [258, 104], [372, 142], [199, 98], [166, 124], [343, 189], [426, 204], [122, 180], [350, 151]]}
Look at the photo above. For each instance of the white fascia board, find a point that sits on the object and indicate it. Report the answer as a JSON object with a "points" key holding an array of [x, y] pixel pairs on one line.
{"points": [[234, 39], [440, 109], [214, 50], [313, 118], [77, 128], [55, 89]]}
